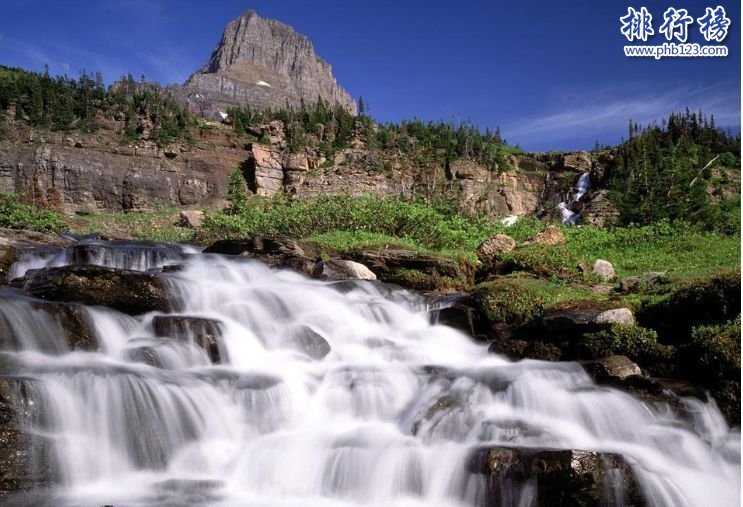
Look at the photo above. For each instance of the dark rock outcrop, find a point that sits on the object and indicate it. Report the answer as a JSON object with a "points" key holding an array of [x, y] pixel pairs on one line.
{"points": [[711, 301], [415, 270], [307, 340], [25, 457], [560, 477], [276, 252], [206, 333], [130, 292]]}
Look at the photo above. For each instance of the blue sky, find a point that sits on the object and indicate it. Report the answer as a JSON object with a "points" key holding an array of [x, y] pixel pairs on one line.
{"points": [[552, 75]]}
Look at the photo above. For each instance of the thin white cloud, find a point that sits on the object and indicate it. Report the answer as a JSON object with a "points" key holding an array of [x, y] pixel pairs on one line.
{"points": [[168, 65], [598, 114], [28, 51]]}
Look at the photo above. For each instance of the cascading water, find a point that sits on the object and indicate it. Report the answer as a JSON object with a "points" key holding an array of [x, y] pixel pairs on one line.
{"points": [[325, 394], [140, 256], [570, 215]]}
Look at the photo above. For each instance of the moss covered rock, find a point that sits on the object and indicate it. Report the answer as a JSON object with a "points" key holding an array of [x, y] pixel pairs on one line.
{"points": [[130, 292]]}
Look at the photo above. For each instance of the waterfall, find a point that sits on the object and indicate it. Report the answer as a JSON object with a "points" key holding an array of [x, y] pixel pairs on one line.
{"points": [[136, 255], [570, 209], [271, 389]]}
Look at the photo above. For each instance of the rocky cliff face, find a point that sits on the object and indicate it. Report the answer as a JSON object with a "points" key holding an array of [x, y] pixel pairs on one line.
{"points": [[265, 64], [533, 184], [84, 173], [95, 172]]}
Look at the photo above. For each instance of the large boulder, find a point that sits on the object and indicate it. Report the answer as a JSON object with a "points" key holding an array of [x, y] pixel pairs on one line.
{"points": [[191, 218], [494, 246], [612, 368], [574, 318], [604, 270], [130, 292], [622, 316], [551, 235], [276, 252], [338, 269], [561, 477], [415, 270], [205, 333]]}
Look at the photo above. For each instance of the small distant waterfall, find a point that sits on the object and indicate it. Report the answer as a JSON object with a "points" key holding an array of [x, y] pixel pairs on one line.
{"points": [[569, 211], [271, 389]]}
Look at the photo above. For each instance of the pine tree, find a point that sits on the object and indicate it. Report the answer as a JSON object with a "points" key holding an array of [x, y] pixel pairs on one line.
{"points": [[497, 137], [236, 193]]}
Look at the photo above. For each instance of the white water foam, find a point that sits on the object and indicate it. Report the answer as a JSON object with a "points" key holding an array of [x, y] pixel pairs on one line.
{"points": [[361, 426]]}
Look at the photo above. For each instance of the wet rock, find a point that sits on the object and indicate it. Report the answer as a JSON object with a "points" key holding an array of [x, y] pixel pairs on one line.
{"points": [[560, 477], [145, 355], [621, 316], [130, 292], [459, 317], [8, 255], [79, 331], [337, 269], [256, 382], [542, 350], [206, 333], [604, 269], [612, 368], [276, 252], [191, 218], [312, 343], [727, 396], [255, 247], [512, 349], [25, 457]]}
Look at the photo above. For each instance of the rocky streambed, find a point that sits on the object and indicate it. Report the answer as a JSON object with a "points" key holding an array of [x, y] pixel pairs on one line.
{"points": [[254, 373]]}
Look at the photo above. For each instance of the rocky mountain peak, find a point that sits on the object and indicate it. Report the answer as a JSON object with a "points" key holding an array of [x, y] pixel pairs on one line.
{"points": [[265, 64]]}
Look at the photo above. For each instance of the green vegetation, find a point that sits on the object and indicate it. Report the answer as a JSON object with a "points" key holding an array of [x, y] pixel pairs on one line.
{"points": [[678, 249], [345, 223], [639, 343], [62, 103], [17, 215], [437, 227], [332, 128], [511, 300], [714, 351], [237, 194], [159, 225], [659, 173]]}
